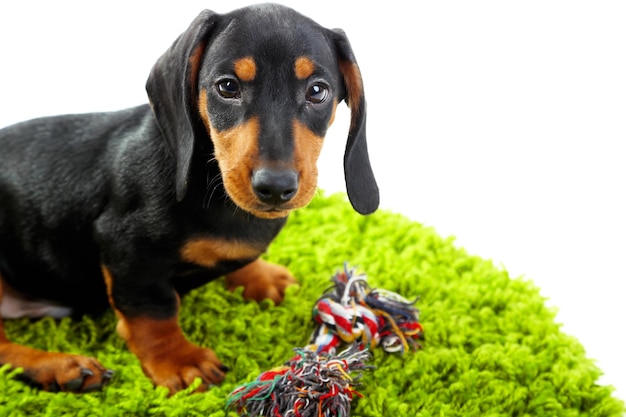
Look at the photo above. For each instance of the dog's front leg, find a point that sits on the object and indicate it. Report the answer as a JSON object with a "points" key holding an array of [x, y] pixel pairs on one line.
{"points": [[148, 322]]}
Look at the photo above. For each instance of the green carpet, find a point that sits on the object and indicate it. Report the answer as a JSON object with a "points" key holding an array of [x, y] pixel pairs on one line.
{"points": [[492, 347]]}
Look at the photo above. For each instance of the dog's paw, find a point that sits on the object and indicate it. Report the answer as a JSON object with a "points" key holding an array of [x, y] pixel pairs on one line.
{"points": [[261, 280], [167, 357], [55, 372], [177, 369]]}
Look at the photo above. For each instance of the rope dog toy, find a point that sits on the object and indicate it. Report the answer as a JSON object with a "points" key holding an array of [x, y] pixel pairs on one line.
{"points": [[318, 381]]}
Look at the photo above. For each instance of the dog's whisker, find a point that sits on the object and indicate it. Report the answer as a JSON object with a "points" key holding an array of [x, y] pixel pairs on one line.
{"points": [[213, 183]]}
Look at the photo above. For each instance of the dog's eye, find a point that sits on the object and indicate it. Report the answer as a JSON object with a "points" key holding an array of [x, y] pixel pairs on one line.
{"points": [[317, 93], [228, 88]]}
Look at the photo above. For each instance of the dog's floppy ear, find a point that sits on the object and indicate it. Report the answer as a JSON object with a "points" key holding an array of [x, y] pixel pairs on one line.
{"points": [[360, 182], [172, 86]]}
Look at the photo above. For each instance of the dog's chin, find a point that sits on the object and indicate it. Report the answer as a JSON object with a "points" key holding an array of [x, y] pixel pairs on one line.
{"points": [[258, 209], [270, 213]]}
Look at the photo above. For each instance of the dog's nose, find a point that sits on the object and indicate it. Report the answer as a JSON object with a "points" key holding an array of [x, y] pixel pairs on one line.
{"points": [[273, 186]]}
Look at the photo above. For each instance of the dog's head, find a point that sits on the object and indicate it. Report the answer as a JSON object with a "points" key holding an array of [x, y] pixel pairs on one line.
{"points": [[264, 83]]}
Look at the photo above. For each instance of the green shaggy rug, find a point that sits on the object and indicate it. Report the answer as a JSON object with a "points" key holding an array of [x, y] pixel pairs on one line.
{"points": [[492, 348]]}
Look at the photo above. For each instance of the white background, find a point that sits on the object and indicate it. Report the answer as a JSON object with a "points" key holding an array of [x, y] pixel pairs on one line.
{"points": [[501, 123]]}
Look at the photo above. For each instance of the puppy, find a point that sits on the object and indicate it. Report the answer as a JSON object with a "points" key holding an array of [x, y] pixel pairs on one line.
{"points": [[134, 208]]}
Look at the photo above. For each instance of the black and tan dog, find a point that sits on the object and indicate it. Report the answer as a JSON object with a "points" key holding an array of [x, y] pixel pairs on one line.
{"points": [[134, 208]]}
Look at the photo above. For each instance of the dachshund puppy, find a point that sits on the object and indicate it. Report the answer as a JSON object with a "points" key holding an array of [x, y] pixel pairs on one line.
{"points": [[134, 208]]}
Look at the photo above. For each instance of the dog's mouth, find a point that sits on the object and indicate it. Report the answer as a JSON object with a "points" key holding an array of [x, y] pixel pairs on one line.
{"points": [[271, 212], [249, 202]]}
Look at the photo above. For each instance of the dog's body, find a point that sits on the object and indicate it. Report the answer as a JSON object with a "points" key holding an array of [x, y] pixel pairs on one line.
{"points": [[51, 253], [132, 209]]}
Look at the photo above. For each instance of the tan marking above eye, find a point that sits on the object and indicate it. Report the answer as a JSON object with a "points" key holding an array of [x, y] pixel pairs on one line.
{"points": [[208, 252], [304, 67], [245, 68]]}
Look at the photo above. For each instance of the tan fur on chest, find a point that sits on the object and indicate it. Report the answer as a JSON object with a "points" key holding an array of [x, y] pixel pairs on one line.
{"points": [[208, 252]]}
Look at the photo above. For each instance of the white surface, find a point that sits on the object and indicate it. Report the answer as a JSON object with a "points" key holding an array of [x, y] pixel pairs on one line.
{"points": [[501, 123]]}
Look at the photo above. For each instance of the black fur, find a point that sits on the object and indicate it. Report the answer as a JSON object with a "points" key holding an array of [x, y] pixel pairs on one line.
{"points": [[127, 189]]}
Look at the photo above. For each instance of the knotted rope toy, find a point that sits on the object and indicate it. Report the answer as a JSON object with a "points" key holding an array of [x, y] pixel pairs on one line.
{"points": [[318, 381]]}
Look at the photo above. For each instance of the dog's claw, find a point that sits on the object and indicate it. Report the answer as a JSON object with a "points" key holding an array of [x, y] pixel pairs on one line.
{"points": [[104, 379], [75, 384]]}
